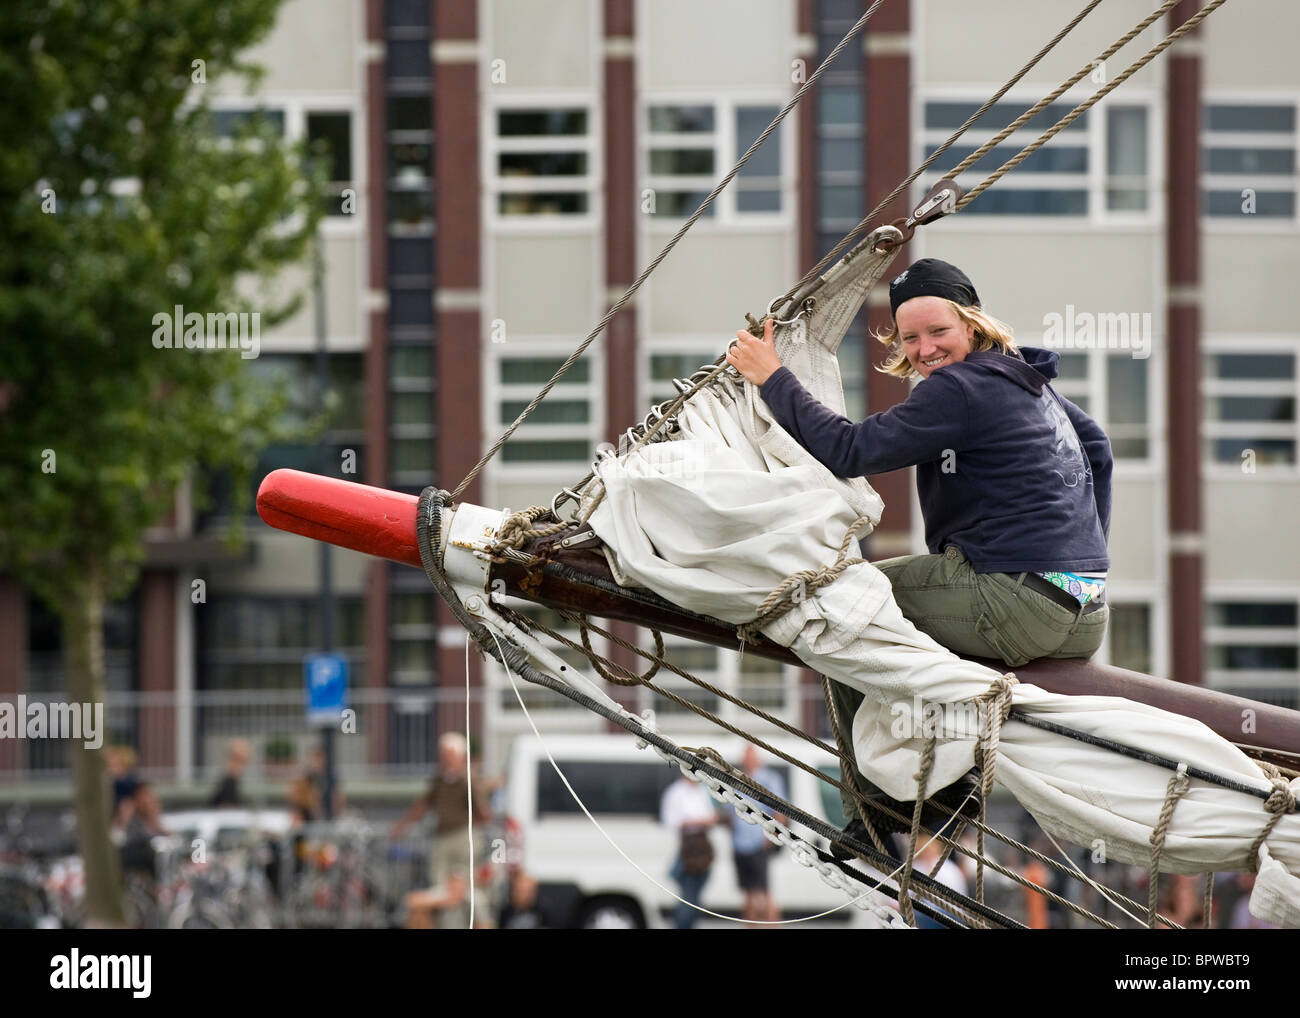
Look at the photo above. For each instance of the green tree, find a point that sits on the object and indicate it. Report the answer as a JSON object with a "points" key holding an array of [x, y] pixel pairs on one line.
{"points": [[118, 202]]}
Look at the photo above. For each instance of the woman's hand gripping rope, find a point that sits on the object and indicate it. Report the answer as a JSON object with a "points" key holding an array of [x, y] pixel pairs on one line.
{"points": [[754, 358]]}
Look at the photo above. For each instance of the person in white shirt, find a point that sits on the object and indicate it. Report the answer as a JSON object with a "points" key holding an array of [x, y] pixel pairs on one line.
{"points": [[687, 808]]}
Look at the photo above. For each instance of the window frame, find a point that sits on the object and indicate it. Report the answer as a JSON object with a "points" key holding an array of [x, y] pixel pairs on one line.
{"points": [[1231, 680], [1226, 343], [672, 346], [724, 136], [1095, 386], [295, 106], [1095, 181], [556, 472], [591, 143], [1243, 223], [1154, 599]]}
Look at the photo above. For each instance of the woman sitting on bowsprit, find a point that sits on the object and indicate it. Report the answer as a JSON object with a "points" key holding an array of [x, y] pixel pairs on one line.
{"points": [[1013, 479]]}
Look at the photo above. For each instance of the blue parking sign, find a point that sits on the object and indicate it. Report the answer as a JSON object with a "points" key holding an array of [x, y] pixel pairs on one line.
{"points": [[327, 687]]}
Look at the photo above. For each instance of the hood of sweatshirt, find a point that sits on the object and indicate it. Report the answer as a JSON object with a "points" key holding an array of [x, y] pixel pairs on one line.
{"points": [[1031, 369]]}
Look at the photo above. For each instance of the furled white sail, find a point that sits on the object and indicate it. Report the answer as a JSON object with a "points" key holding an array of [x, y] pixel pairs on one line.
{"points": [[718, 515]]}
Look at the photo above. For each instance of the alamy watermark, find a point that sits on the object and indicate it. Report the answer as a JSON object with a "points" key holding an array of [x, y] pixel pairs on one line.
{"points": [[40, 720], [1105, 330], [179, 329], [919, 719], [77, 971]]}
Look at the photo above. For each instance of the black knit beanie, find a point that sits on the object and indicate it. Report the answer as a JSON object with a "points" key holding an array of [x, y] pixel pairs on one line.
{"points": [[930, 277]]}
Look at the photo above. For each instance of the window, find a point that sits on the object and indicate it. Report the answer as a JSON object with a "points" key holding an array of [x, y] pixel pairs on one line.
{"points": [[326, 133], [689, 147], [666, 365], [1098, 166], [841, 175], [230, 122], [412, 631], [562, 431], [604, 786], [1250, 404], [1248, 160], [410, 162], [325, 452], [544, 162], [260, 642], [329, 138], [1254, 648], [1114, 389], [1126, 158], [1129, 635]]}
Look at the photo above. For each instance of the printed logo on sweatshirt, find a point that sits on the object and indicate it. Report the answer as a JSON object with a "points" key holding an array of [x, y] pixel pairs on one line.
{"points": [[1071, 467]]}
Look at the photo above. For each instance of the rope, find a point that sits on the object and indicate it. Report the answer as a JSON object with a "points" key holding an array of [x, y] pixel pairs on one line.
{"points": [[783, 598], [628, 678], [975, 156], [922, 780], [428, 534], [1060, 90], [516, 530], [665, 663], [903, 185], [995, 705], [645, 273], [849, 788], [1176, 789], [1281, 800], [1207, 906], [823, 263], [1084, 106], [719, 365], [845, 756]]}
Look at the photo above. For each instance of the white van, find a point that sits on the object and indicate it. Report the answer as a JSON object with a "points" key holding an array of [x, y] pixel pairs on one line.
{"points": [[621, 785]]}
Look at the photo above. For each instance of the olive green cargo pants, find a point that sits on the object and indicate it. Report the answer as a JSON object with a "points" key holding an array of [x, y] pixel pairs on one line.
{"points": [[990, 615]]}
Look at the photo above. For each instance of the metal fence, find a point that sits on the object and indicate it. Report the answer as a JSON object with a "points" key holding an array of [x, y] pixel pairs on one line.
{"points": [[180, 737]]}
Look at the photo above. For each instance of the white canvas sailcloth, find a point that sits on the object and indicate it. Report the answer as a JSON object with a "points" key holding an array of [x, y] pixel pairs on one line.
{"points": [[718, 515]]}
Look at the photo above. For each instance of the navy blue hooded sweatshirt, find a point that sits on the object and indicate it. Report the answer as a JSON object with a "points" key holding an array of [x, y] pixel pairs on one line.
{"points": [[1014, 475]]}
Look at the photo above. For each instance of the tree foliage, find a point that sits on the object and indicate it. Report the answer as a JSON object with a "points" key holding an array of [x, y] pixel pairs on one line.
{"points": [[151, 210], [119, 202]]}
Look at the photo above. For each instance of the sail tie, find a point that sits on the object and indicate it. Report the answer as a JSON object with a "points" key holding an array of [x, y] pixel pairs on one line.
{"points": [[1280, 801], [1176, 789], [995, 704]]}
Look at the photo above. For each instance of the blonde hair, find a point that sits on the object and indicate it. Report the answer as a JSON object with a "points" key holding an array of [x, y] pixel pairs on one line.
{"points": [[990, 333]]}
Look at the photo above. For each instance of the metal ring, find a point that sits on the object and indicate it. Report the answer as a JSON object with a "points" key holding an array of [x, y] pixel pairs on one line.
{"points": [[564, 495], [890, 235]]}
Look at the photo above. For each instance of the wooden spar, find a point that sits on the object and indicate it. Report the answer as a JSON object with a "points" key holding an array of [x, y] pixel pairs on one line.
{"points": [[382, 523]]}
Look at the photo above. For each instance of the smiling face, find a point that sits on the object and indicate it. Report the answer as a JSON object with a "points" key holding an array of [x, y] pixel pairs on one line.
{"points": [[932, 335]]}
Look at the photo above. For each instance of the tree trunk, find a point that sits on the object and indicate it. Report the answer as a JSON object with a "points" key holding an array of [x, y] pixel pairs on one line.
{"points": [[83, 658]]}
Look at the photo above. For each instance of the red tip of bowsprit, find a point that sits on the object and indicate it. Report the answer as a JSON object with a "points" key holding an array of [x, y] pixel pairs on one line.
{"points": [[371, 520]]}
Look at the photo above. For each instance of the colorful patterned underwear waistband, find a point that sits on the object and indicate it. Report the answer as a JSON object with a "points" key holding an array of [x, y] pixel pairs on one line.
{"points": [[1082, 588]]}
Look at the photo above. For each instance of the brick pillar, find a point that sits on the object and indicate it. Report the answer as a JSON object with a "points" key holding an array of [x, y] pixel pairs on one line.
{"points": [[458, 297], [13, 665], [623, 406], [888, 159], [376, 459], [156, 745], [1183, 380]]}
